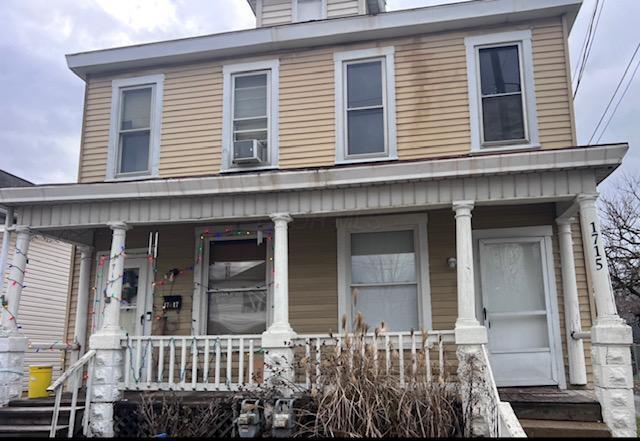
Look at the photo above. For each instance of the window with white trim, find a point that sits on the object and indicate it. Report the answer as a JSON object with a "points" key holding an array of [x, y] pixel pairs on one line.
{"points": [[365, 105], [134, 140], [250, 115], [501, 88], [307, 10], [382, 272]]}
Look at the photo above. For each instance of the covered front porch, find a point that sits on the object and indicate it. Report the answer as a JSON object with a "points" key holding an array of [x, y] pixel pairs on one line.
{"points": [[198, 285]]}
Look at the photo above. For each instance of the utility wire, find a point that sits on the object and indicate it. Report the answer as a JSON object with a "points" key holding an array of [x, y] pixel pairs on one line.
{"points": [[591, 35], [615, 109], [615, 93], [584, 43]]}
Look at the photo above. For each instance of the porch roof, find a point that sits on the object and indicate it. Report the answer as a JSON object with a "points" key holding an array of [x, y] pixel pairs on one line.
{"points": [[540, 175]]}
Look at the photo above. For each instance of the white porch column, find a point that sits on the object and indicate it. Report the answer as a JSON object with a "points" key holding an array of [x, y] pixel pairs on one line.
{"points": [[575, 346], [468, 329], [108, 371], [277, 339], [6, 239], [610, 335], [469, 334], [82, 306], [13, 343]]}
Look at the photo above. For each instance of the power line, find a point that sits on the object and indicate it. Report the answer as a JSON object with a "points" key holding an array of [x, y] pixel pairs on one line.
{"points": [[615, 93], [615, 109], [585, 42], [593, 28]]}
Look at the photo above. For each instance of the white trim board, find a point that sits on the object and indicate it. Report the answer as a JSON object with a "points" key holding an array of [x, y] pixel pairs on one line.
{"points": [[228, 70], [322, 32], [389, 102], [117, 86], [603, 159], [525, 52], [368, 224]]}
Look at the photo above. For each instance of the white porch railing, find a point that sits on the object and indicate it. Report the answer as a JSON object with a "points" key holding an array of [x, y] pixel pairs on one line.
{"points": [[192, 363], [508, 425], [423, 354]]}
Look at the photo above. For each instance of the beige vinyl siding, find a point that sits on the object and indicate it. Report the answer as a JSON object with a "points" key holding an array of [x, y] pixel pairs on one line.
{"points": [[43, 305], [276, 12], [343, 8], [431, 102]]}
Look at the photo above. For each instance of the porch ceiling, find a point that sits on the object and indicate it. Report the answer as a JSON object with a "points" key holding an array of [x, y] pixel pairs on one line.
{"points": [[522, 177]]}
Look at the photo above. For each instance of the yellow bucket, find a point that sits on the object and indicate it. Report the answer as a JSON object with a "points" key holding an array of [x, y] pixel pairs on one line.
{"points": [[39, 381]]}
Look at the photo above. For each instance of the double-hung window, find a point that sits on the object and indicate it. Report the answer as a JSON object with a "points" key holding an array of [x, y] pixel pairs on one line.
{"points": [[135, 127], [383, 272], [307, 10], [365, 105], [250, 116], [502, 97]]}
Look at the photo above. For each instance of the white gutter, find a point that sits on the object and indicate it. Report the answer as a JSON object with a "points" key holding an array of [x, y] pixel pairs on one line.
{"points": [[6, 238], [605, 157], [334, 31]]}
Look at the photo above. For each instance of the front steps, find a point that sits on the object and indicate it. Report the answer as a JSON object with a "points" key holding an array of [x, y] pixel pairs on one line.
{"points": [[32, 418], [550, 412]]}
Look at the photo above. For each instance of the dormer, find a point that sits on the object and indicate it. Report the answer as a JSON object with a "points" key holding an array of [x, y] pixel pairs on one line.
{"points": [[279, 12]]}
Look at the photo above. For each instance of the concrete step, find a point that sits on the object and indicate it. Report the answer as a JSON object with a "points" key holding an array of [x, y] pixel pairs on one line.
{"points": [[29, 415], [35, 430], [588, 412], [564, 429]]}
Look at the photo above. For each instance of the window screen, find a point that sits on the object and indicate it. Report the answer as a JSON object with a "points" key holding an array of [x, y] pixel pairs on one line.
{"points": [[135, 130]]}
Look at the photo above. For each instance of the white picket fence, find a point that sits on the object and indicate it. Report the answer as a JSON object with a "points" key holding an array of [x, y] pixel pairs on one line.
{"points": [[233, 362]]}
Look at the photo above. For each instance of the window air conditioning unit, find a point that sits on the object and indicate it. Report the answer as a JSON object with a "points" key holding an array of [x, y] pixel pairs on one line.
{"points": [[250, 151]]}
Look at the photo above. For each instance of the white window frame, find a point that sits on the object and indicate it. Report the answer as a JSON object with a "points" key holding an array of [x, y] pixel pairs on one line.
{"points": [[200, 309], [294, 10], [473, 44], [156, 82], [229, 70], [376, 224], [341, 61]]}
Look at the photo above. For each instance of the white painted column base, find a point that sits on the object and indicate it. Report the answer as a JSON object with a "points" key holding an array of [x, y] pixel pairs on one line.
{"points": [[108, 373], [613, 375], [12, 348], [278, 360], [475, 392]]}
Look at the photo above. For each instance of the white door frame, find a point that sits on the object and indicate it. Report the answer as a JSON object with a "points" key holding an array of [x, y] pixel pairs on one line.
{"points": [[544, 235], [140, 258]]}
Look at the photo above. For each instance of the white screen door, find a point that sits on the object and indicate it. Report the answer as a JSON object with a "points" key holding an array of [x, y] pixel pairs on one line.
{"points": [[516, 307], [136, 305]]}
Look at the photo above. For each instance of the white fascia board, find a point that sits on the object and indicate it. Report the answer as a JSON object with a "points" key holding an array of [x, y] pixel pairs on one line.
{"points": [[596, 157], [323, 32]]}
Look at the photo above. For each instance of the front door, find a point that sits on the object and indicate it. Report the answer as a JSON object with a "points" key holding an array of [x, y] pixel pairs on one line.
{"points": [[136, 305], [516, 299]]}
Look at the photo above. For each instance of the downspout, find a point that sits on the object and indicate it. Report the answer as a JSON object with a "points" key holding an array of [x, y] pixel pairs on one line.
{"points": [[6, 238]]}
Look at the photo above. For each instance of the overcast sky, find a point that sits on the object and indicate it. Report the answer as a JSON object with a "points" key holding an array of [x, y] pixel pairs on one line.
{"points": [[41, 100]]}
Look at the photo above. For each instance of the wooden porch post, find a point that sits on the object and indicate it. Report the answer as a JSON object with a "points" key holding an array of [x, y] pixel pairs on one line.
{"points": [[109, 360], [82, 306], [575, 346], [611, 337]]}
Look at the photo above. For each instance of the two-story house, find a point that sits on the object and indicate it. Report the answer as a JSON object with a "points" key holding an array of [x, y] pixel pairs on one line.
{"points": [[248, 190]]}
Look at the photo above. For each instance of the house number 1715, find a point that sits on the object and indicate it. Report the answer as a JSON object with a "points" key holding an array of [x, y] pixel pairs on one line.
{"points": [[596, 246]]}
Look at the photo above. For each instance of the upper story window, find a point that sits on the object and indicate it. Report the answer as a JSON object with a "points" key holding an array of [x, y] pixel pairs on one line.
{"points": [[307, 10], [134, 138], [501, 91], [250, 115], [365, 105]]}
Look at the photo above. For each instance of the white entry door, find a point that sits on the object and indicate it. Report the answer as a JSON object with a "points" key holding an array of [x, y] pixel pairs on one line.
{"points": [[516, 300], [136, 306]]}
